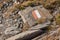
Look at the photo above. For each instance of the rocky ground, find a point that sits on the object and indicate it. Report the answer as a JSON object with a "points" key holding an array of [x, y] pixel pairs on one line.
{"points": [[52, 35], [11, 24]]}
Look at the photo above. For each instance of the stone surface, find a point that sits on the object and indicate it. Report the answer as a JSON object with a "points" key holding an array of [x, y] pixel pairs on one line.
{"points": [[11, 22]]}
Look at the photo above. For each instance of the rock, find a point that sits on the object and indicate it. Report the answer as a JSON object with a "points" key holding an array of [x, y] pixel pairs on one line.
{"points": [[39, 26], [12, 30], [25, 35]]}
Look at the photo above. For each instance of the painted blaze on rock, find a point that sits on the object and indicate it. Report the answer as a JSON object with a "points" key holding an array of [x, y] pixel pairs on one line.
{"points": [[35, 15]]}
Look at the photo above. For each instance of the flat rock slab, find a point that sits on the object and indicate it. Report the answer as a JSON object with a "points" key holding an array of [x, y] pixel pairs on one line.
{"points": [[26, 35]]}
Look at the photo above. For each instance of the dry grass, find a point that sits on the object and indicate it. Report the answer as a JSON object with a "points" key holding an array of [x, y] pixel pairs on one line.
{"points": [[58, 19]]}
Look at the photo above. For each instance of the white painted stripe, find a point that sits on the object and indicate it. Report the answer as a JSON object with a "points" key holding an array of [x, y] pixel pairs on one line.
{"points": [[37, 14]]}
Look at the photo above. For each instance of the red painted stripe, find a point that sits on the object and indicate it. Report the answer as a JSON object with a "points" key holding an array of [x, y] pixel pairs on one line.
{"points": [[34, 15]]}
